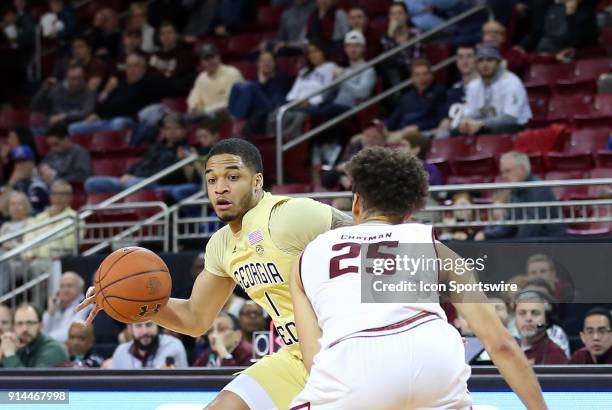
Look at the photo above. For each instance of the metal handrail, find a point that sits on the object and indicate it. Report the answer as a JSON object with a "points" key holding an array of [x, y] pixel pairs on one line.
{"points": [[29, 228], [83, 215], [30, 284], [381, 57]]}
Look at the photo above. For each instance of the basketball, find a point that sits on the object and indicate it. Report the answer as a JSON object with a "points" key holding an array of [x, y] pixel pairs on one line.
{"points": [[132, 284]]}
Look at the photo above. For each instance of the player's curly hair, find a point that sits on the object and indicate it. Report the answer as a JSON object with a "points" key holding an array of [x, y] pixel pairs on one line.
{"points": [[388, 181]]}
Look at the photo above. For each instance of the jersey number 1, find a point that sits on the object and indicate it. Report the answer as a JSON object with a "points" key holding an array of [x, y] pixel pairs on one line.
{"points": [[354, 250]]}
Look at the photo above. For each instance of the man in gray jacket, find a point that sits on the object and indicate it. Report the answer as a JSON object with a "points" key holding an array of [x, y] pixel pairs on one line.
{"points": [[67, 102]]}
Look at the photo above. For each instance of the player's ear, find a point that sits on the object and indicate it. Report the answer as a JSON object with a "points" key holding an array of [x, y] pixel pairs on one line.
{"points": [[356, 207], [258, 181]]}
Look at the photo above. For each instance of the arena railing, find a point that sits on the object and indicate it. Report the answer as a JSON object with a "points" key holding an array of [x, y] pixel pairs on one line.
{"points": [[580, 211], [282, 147]]}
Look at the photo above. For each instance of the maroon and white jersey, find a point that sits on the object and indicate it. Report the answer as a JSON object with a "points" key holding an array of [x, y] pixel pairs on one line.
{"points": [[331, 272]]}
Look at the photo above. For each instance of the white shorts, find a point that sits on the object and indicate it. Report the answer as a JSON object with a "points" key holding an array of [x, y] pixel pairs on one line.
{"points": [[419, 365]]}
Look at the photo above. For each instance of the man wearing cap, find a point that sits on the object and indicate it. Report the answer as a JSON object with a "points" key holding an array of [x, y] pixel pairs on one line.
{"points": [[497, 102], [23, 178], [354, 89], [210, 93]]}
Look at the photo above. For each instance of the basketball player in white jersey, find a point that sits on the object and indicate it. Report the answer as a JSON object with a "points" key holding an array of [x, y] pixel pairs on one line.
{"points": [[390, 355]]}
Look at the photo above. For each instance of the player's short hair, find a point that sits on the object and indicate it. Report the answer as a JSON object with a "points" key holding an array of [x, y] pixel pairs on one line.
{"points": [[388, 181], [245, 150], [599, 311]]}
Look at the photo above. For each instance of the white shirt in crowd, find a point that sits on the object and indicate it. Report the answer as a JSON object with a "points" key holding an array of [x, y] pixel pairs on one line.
{"points": [[314, 80]]}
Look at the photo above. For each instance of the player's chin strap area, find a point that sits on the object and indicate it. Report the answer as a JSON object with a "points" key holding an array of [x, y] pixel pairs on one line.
{"points": [[398, 327]]}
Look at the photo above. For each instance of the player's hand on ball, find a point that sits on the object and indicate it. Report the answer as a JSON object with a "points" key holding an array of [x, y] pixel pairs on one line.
{"points": [[90, 298]]}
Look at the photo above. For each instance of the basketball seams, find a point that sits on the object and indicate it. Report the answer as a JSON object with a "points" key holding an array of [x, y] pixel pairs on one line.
{"points": [[114, 262], [106, 302], [133, 275], [134, 300]]}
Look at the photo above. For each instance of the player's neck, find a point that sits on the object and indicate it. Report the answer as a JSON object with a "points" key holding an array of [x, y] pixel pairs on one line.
{"points": [[383, 219]]}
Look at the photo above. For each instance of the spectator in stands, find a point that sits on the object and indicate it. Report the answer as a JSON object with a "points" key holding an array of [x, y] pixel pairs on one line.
{"points": [[254, 100], [20, 212], [27, 345], [327, 24], [149, 349], [252, 319], [200, 17], [207, 135], [64, 160], [455, 96], [498, 214], [96, 69], [419, 146], [501, 308], [397, 68], [291, 37], [358, 20], [60, 307], [160, 155], [59, 245], [494, 34], [173, 61], [227, 346], [349, 92], [329, 171], [423, 106], [16, 137], [131, 42], [138, 20], [596, 335], [210, 93], [122, 99], [497, 102], [531, 321], [231, 14], [425, 14], [24, 179], [462, 215], [105, 37], [567, 26], [317, 74], [65, 103], [60, 22], [17, 45], [80, 343], [541, 266], [6, 319], [514, 166]]}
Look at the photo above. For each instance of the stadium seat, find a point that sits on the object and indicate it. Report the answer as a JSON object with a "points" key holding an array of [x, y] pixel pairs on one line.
{"points": [[176, 104], [268, 17], [575, 161], [603, 158], [242, 44], [494, 145], [290, 65], [108, 167], [589, 70], [546, 75], [291, 189], [539, 108], [145, 196], [83, 140], [564, 108], [375, 8], [41, 146], [105, 142], [599, 191], [451, 148], [469, 179], [95, 198], [247, 68], [587, 140], [484, 165], [600, 114], [538, 165], [569, 192]]}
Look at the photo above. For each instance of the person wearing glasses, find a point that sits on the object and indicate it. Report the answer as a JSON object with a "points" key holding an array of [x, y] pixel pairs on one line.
{"points": [[26, 345], [596, 335]]}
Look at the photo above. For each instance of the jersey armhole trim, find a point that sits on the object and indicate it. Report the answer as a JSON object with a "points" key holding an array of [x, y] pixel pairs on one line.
{"points": [[434, 238]]}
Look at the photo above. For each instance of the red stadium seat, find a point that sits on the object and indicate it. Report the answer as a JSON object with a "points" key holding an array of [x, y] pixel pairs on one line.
{"points": [[469, 179], [268, 17], [290, 65], [176, 104], [105, 142], [585, 74], [243, 44], [375, 8], [437, 51], [291, 189], [538, 165], [494, 145], [539, 108], [83, 140], [145, 196], [451, 148], [561, 161], [247, 68], [603, 158], [109, 167], [485, 165], [587, 140], [95, 198], [546, 75], [564, 108], [565, 193], [41, 146]]}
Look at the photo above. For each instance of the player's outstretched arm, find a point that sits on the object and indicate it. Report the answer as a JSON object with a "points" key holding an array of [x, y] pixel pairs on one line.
{"points": [[194, 316], [306, 322], [497, 340]]}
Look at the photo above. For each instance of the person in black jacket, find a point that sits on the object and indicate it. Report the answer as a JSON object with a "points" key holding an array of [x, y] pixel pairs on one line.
{"points": [[160, 155], [515, 167]]}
